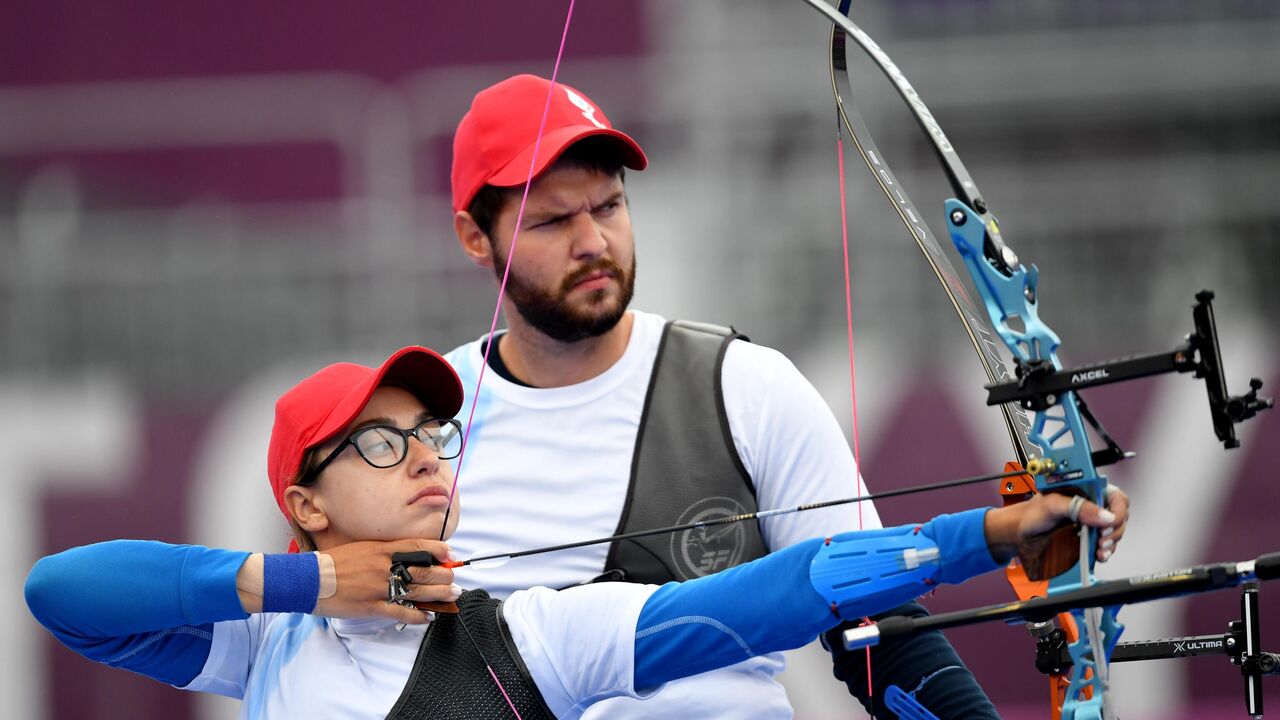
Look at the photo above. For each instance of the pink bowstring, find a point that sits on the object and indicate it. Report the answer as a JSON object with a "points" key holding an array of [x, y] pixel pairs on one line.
{"points": [[848, 319], [497, 310], [506, 272], [503, 690]]}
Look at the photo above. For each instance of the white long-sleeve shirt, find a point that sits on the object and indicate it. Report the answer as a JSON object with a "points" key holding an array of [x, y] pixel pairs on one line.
{"points": [[545, 466]]}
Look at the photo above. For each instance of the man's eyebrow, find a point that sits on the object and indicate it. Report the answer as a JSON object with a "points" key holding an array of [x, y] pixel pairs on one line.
{"points": [[536, 217], [613, 197]]}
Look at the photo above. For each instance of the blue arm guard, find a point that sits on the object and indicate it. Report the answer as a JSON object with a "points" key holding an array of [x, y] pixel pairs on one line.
{"points": [[862, 573]]}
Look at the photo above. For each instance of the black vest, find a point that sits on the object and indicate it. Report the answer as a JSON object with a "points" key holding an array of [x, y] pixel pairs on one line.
{"points": [[685, 467], [449, 680]]}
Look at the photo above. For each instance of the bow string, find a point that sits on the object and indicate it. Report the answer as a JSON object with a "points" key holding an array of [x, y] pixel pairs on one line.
{"points": [[497, 311]]}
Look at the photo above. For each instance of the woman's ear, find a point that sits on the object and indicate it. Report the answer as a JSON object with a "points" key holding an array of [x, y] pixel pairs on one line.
{"points": [[306, 507]]}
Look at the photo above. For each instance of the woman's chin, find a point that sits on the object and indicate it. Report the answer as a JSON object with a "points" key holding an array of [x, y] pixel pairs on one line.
{"points": [[427, 525], [430, 530]]}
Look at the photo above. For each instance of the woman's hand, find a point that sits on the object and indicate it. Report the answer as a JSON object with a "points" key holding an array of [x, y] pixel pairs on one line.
{"points": [[1009, 527], [355, 582]]}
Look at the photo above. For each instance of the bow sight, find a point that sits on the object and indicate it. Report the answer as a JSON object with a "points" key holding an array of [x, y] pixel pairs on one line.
{"points": [[1040, 386]]}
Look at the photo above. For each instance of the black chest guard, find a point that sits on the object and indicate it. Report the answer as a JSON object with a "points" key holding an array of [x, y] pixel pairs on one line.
{"points": [[449, 680], [685, 467]]}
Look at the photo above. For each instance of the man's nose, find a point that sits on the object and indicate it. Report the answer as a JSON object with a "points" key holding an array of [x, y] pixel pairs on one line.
{"points": [[588, 238]]}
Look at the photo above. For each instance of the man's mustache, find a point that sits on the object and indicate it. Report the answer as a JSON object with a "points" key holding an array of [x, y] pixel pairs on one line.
{"points": [[595, 266]]}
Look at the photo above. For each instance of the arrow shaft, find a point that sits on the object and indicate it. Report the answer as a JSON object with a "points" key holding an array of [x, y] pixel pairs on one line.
{"points": [[727, 519]]}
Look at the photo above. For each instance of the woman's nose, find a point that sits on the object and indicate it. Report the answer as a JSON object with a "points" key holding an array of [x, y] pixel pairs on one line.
{"points": [[422, 457]]}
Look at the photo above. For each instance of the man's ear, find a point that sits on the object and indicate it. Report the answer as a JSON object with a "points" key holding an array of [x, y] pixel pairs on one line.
{"points": [[475, 243], [307, 509]]}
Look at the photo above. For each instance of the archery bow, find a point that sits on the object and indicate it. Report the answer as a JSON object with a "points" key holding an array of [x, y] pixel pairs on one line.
{"points": [[1008, 290], [1016, 423]]}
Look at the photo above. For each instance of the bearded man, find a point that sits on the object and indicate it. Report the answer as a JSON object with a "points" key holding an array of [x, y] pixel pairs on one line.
{"points": [[595, 419]]}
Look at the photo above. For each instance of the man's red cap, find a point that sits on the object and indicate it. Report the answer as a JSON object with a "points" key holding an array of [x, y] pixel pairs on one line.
{"points": [[324, 404], [495, 139]]}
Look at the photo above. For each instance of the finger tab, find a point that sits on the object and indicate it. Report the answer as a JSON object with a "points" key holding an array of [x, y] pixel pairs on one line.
{"points": [[416, 558]]}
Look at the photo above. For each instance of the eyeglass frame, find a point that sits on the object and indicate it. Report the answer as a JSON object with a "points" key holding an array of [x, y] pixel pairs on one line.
{"points": [[314, 474]]}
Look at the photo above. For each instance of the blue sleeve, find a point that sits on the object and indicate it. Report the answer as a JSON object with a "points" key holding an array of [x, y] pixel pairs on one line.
{"points": [[962, 540], [770, 604], [144, 606]]}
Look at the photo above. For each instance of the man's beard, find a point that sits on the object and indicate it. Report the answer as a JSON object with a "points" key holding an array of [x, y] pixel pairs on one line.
{"points": [[549, 312]]}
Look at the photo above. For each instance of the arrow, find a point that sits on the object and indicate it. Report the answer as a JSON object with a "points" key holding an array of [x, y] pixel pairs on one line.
{"points": [[497, 560]]}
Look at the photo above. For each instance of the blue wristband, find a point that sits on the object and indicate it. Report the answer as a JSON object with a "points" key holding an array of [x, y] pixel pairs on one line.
{"points": [[290, 582]]}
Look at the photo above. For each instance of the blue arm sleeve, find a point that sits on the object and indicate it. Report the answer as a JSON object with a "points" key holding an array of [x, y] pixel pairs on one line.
{"points": [[963, 541], [770, 604], [144, 606]]}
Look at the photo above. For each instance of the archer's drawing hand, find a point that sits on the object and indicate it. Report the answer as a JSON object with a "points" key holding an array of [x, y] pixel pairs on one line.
{"points": [[362, 571]]}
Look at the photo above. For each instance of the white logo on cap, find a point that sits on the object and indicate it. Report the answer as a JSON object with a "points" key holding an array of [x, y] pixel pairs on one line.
{"points": [[588, 111]]}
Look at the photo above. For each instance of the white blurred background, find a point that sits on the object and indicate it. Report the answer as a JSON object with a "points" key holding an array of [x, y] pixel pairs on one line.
{"points": [[199, 205]]}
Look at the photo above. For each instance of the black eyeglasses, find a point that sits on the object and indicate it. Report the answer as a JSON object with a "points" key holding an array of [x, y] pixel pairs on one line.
{"points": [[384, 446]]}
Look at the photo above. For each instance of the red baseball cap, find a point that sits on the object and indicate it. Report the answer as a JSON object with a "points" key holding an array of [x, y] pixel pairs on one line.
{"points": [[325, 403], [495, 140]]}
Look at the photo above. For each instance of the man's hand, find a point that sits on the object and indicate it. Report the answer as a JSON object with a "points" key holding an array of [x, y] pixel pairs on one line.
{"points": [[362, 571], [1009, 527]]}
